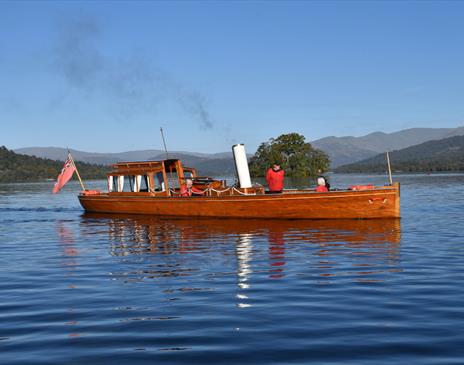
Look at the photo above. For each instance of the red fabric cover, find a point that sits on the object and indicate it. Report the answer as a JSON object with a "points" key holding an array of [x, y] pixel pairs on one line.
{"points": [[91, 192], [66, 174], [322, 189], [362, 187], [275, 179]]}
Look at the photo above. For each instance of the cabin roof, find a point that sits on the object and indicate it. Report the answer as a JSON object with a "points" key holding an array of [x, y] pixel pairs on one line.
{"points": [[137, 164], [145, 165]]}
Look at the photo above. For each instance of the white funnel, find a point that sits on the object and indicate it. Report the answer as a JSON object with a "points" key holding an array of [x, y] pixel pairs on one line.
{"points": [[241, 165]]}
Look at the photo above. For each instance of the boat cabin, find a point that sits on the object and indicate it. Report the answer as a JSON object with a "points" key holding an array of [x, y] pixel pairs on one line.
{"points": [[161, 178], [158, 178]]}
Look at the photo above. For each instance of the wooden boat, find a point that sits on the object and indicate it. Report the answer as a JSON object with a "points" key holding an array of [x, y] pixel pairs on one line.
{"points": [[154, 187]]}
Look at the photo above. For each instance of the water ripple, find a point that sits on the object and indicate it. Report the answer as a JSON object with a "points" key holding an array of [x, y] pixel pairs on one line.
{"points": [[134, 289]]}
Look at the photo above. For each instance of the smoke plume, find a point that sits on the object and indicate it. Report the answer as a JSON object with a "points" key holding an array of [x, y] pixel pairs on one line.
{"points": [[131, 85]]}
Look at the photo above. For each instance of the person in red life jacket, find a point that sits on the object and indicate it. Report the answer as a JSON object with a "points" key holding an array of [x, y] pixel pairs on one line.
{"points": [[322, 185], [275, 178], [188, 189]]}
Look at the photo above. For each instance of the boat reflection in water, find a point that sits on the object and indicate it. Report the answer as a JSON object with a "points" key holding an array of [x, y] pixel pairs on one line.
{"points": [[358, 249]]}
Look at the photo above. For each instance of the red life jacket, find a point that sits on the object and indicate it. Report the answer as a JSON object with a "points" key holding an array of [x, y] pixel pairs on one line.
{"points": [[186, 192], [322, 189], [275, 179]]}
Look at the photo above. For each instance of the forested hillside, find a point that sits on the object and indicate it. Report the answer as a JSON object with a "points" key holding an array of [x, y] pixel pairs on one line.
{"points": [[15, 167], [442, 155], [347, 150]]}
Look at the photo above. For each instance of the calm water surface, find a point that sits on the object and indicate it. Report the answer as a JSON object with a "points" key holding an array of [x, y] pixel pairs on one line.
{"points": [[78, 288]]}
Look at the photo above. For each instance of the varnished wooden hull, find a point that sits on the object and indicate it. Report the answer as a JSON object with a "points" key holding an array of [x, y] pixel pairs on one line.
{"points": [[382, 202]]}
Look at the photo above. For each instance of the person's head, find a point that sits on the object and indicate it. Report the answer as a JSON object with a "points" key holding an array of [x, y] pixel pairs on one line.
{"points": [[189, 183], [276, 165], [321, 181]]}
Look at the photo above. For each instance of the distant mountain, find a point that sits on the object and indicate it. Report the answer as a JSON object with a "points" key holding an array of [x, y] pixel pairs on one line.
{"points": [[341, 150], [345, 150], [206, 164], [15, 167], [439, 155], [58, 153]]}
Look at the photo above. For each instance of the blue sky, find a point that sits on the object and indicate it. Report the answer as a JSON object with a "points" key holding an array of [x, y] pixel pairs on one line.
{"points": [[104, 76]]}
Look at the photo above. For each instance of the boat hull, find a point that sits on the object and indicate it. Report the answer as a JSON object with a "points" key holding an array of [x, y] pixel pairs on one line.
{"points": [[381, 202]]}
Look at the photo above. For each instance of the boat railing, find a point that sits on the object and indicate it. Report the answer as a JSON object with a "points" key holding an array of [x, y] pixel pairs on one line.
{"points": [[232, 190]]}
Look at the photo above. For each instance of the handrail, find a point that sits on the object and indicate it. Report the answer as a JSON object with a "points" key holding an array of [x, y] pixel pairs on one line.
{"points": [[207, 191], [220, 191], [238, 191]]}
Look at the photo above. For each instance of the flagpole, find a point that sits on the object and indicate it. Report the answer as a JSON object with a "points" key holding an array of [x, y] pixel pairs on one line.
{"points": [[389, 169], [77, 171]]}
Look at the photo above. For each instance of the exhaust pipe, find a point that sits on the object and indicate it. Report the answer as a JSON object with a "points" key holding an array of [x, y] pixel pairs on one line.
{"points": [[241, 165]]}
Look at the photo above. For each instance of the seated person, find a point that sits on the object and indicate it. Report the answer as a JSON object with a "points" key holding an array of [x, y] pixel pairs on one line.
{"points": [[322, 185], [188, 189]]}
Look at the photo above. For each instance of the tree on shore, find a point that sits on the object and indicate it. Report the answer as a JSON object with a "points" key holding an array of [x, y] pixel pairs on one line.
{"points": [[297, 157], [16, 167]]}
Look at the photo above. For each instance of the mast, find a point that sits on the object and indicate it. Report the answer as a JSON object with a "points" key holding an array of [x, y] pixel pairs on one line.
{"points": [[164, 142]]}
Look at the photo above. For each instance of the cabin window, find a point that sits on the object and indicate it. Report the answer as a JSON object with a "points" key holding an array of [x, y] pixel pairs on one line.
{"points": [[113, 183], [130, 187], [159, 182], [136, 183], [173, 180], [143, 183], [128, 183], [188, 174]]}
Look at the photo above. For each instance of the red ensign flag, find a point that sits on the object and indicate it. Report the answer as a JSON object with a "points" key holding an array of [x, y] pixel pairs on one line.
{"points": [[65, 175]]}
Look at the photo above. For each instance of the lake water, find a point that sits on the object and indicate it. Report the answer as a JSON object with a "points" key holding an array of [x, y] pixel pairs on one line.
{"points": [[79, 288]]}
